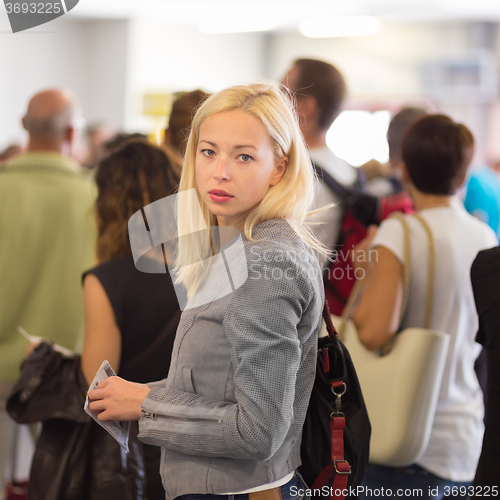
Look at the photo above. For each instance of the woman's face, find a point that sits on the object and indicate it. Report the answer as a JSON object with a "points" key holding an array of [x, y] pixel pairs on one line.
{"points": [[235, 165]]}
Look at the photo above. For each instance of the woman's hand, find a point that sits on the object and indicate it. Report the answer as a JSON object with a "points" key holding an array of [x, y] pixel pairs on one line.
{"points": [[118, 399]]}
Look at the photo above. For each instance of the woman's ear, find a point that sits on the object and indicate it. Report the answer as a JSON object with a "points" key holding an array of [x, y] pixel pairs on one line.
{"points": [[279, 170], [462, 181], [307, 107]]}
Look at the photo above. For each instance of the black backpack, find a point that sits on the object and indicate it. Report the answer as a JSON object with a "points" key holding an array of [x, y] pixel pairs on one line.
{"points": [[336, 433], [359, 210]]}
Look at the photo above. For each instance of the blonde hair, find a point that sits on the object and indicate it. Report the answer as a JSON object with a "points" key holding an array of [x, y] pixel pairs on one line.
{"points": [[289, 199]]}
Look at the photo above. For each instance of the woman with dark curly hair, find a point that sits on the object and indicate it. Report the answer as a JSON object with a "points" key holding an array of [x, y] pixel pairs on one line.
{"points": [[128, 311]]}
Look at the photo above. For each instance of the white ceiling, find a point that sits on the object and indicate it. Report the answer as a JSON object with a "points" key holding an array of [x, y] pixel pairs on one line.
{"points": [[287, 14]]}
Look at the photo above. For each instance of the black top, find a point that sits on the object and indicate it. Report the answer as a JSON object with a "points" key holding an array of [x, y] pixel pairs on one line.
{"points": [[146, 308], [485, 277]]}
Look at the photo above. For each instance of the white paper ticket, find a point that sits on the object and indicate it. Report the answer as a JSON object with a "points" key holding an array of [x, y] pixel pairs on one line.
{"points": [[118, 429]]}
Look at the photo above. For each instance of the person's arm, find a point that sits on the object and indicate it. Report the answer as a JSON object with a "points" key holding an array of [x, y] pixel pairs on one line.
{"points": [[102, 338], [377, 314]]}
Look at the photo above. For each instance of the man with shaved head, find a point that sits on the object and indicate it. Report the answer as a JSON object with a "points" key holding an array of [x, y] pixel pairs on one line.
{"points": [[47, 239], [50, 121]]}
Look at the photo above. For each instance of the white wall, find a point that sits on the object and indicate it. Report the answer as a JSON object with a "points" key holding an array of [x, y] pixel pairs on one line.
{"points": [[34, 60], [166, 57], [105, 63], [88, 57]]}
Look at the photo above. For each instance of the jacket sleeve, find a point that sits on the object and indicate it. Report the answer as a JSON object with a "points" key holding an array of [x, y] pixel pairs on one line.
{"points": [[261, 327]]}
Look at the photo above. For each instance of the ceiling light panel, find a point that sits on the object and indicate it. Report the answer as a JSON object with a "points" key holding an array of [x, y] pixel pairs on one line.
{"points": [[230, 22], [341, 26]]}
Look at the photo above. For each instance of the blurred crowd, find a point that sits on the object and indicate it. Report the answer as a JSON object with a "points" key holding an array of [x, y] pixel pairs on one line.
{"points": [[68, 273]]}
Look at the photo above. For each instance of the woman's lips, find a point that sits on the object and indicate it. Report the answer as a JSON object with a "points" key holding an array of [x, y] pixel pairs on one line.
{"points": [[219, 196]]}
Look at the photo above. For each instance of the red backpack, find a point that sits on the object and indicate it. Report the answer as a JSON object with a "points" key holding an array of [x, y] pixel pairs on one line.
{"points": [[360, 210]]}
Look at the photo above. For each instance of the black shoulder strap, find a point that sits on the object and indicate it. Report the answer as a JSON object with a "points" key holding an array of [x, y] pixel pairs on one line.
{"points": [[341, 191], [361, 178], [364, 206]]}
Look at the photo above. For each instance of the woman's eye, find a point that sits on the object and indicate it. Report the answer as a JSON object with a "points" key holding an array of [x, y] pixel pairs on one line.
{"points": [[208, 152], [245, 158]]}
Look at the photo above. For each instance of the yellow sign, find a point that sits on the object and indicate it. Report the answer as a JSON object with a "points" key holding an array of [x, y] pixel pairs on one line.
{"points": [[156, 104]]}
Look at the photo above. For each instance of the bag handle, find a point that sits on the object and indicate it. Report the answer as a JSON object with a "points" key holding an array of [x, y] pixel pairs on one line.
{"points": [[431, 271], [339, 468], [431, 276], [406, 268], [337, 382]]}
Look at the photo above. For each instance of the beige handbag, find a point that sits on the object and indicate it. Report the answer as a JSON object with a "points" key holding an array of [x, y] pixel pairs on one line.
{"points": [[401, 387]]}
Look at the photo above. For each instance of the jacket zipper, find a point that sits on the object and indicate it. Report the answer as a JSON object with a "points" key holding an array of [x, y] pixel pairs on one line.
{"points": [[154, 416]]}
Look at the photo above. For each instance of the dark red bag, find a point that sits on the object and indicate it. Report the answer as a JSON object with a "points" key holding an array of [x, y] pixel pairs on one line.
{"points": [[17, 490]]}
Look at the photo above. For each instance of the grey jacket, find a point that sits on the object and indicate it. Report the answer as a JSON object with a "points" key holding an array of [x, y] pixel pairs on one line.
{"points": [[229, 415]]}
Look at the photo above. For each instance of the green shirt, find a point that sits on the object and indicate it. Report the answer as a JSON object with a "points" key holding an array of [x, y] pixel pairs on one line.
{"points": [[47, 238]]}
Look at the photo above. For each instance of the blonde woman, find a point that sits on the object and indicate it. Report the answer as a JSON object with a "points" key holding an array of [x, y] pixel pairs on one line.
{"points": [[229, 416]]}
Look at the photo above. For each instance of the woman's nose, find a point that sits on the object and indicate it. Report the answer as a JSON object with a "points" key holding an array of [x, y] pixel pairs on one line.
{"points": [[222, 167]]}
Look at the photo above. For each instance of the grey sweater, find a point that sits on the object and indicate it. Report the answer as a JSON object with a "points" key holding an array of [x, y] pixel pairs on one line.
{"points": [[229, 415]]}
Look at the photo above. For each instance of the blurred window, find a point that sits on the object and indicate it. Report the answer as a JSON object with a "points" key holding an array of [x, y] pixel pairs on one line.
{"points": [[359, 136]]}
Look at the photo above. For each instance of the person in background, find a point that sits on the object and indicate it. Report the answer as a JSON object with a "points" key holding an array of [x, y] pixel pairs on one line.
{"points": [[119, 139], [229, 416], [384, 180], [9, 152], [96, 136], [482, 198], [320, 90], [130, 316], [179, 123], [485, 276], [436, 153], [48, 239]]}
